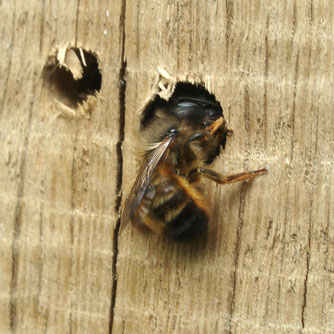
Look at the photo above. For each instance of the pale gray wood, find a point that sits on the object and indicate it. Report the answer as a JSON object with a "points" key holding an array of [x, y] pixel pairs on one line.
{"points": [[266, 264]]}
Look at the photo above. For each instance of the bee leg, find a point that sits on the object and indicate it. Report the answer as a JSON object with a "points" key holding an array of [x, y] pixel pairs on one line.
{"points": [[218, 178], [215, 126], [188, 152]]}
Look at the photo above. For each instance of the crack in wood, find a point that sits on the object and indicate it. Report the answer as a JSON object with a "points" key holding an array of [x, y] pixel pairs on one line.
{"points": [[241, 213], [265, 93], [119, 153], [237, 251], [305, 286], [308, 255]]}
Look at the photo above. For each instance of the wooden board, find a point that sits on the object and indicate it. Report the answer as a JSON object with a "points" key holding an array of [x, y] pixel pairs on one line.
{"points": [[266, 264], [58, 176]]}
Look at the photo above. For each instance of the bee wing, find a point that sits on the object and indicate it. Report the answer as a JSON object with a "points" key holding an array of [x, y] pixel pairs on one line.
{"points": [[143, 180]]}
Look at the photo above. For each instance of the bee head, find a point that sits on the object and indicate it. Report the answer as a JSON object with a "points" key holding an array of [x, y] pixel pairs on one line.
{"points": [[193, 106], [197, 112]]}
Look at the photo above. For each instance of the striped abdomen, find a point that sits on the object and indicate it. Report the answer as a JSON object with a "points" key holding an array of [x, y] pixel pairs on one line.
{"points": [[173, 206]]}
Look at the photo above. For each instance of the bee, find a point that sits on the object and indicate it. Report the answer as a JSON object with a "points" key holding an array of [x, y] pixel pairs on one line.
{"points": [[183, 136]]}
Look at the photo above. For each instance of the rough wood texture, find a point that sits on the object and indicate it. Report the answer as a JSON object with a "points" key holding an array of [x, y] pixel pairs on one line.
{"points": [[266, 264]]}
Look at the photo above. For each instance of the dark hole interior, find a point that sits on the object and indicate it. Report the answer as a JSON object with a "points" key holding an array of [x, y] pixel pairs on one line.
{"points": [[70, 91], [182, 90]]}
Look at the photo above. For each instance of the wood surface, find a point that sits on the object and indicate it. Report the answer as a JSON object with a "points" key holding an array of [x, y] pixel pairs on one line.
{"points": [[266, 264]]}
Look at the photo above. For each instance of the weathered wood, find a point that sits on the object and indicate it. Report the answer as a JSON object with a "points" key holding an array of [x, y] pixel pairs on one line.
{"points": [[58, 175], [266, 264]]}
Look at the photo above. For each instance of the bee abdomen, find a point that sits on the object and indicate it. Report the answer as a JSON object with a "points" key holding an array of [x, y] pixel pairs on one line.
{"points": [[178, 206], [171, 207], [180, 215], [190, 222]]}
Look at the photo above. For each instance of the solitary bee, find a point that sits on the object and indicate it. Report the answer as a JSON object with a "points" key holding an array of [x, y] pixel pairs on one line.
{"points": [[183, 136]]}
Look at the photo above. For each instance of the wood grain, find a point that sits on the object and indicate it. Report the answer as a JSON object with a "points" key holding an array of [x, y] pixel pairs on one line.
{"points": [[58, 176], [266, 264]]}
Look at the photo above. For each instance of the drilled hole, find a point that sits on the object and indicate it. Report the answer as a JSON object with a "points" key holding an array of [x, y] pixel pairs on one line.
{"points": [[183, 90], [189, 102], [72, 78]]}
